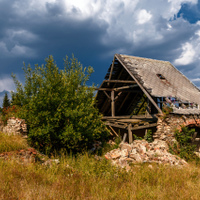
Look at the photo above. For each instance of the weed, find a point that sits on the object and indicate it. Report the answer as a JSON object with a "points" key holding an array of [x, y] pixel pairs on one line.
{"points": [[184, 147], [149, 136]]}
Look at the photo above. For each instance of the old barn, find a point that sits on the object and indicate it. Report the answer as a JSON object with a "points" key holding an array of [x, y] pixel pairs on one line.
{"points": [[137, 90]]}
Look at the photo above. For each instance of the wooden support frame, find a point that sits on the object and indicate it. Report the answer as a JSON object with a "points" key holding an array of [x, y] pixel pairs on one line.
{"points": [[142, 88]]}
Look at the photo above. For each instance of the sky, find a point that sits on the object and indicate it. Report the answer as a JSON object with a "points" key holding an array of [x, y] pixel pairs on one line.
{"points": [[94, 30]]}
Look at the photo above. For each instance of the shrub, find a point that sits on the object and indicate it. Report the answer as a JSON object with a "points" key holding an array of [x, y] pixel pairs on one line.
{"points": [[58, 107], [149, 136], [184, 148], [8, 112]]}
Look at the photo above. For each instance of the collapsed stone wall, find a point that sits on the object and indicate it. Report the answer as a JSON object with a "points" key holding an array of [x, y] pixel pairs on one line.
{"points": [[14, 126], [166, 125], [141, 151]]}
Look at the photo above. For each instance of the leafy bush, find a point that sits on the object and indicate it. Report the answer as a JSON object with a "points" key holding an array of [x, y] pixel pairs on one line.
{"points": [[184, 148], [58, 107], [149, 136], [8, 112]]}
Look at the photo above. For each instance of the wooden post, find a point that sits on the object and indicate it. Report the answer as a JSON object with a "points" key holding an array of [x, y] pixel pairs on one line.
{"points": [[113, 103], [124, 138], [130, 135]]}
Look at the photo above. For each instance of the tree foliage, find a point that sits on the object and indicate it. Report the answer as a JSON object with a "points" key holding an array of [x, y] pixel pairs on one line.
{"points": [[6, 101], [58, 106]]}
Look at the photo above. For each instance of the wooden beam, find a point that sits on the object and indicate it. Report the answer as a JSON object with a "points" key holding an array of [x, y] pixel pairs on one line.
{"points": [[124, 137], [125, 87], [145, 126], [113, 131], [115, 125], [104, 89], [130, 134], [111, 70], [119, 81], [142, 88], [112, 103], [131, 117], [118, 95], [107, 95]]}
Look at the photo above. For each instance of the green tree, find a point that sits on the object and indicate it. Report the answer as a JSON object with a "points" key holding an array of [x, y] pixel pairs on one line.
{"points": [[58, 107], [6, 101]]}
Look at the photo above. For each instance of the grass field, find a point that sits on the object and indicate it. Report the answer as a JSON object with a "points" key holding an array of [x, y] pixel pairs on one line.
{"points": [[86, 177]]}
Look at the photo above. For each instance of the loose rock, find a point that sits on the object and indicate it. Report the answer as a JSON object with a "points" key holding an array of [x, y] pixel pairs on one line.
{"points": [[141, 151]]}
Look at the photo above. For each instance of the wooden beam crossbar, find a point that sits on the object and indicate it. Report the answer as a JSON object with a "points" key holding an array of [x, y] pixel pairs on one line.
{"points": [[129, 126], [145, 126], [107, 95], [119, 81], [125, 87], [131, 117]]}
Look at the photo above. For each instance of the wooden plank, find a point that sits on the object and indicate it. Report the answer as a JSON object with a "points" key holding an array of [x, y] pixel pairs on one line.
{"points": [[112, 103], [118, 81], [125, 87], [129, 120], [104, 89], [142, 88], [124, 137], [113, 131], [111, 70], [116, 125], [145, 126], [118, 95], [107, 94], [131, 117], [130, 134]]}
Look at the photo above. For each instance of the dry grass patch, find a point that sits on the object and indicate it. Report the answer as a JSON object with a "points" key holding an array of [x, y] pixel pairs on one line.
{"points": [[11, 143], [88, 178]]}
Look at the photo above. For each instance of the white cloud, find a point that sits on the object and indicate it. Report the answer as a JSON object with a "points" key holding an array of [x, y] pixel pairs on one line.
{"points": [[176, 5], [187, 56], [144, 16], [6, 83]]}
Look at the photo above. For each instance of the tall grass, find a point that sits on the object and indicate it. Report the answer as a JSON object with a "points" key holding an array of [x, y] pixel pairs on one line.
{"points": [[89, 177], [85, 177], [11, 143]]}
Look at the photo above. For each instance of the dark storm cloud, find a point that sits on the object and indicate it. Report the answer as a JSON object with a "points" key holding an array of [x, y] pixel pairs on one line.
{"points": [[32, 30], [52, 34]]}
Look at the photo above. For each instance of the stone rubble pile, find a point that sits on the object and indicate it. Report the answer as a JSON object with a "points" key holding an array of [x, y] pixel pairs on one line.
{"points": [[24, 155], [29, 155], [15, 126], [141, 151]]}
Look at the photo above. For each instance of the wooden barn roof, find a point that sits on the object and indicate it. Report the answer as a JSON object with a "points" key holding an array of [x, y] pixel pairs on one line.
{"points": [[160, 78], [155, 78]]}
